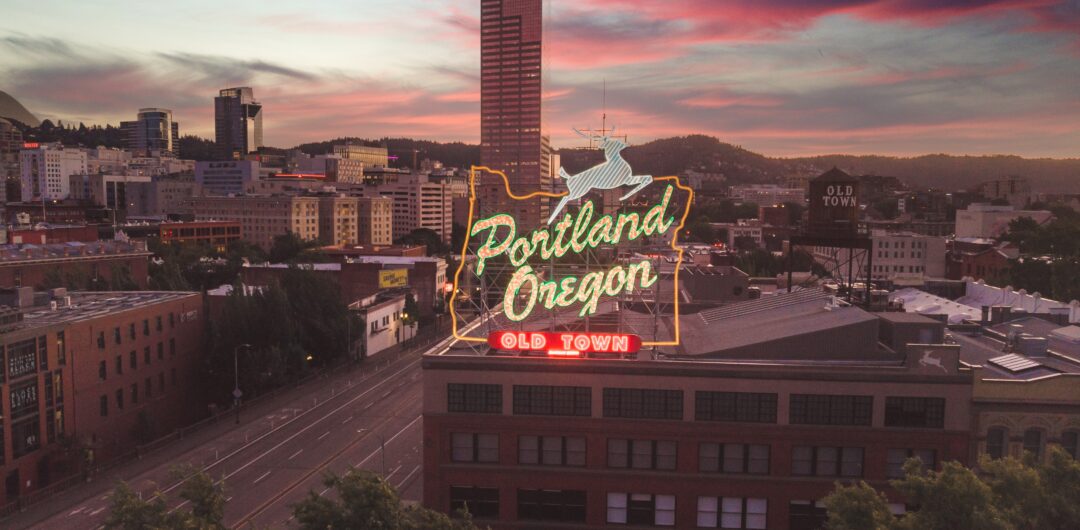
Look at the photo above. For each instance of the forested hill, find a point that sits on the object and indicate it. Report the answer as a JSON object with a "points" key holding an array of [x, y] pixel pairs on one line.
{"points": [[959, 172]]}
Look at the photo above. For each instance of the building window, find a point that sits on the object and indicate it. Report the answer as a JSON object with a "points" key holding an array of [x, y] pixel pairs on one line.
{"points": [[820, 409], [161, 382], [733, 458], [996, 438], [161, 351], [23, 399], [131, 330], [149, 388], [473, 447], [133, 359], [642, 454], [101, 340], [172, 347], [103, 403], [642, 509], [643, 403], [915, 412], [551, 505], [1033, 442], [21, 359], [119, 364], [476, 398], [807, 515], [116, 334], [897, 457], [481, 503], [120, 399], [146, 355], [61, 348], [553, 400], [146, 327], [135, 393], [157, 323], [1070, 440], [735, 406], [827, 461], [731, 512], [551, 450]]}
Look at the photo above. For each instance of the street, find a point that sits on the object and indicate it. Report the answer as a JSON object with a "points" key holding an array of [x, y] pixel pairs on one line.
{"points": [[277, 454]]}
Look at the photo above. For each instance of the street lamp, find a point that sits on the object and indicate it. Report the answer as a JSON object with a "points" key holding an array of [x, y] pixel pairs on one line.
{"points": [[236, 379], [382, 449]]}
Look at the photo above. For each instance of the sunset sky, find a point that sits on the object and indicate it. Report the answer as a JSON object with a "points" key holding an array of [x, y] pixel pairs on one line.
{"points": [[782, 77]]}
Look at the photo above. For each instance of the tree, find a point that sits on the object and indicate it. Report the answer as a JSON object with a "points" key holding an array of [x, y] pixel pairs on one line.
{"points": [[366, 500], [289, 247], [427, 237], [858, 507], [128, 511], [1005, 494]]}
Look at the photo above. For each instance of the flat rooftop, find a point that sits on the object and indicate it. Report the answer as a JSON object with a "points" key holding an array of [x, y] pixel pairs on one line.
{"points": [[91, 304], [74, 249]]}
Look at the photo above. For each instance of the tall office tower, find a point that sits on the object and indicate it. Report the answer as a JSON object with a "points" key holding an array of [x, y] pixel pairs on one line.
{"points": [[510, 34], [45, 170], [237, 122], [152, 131]]}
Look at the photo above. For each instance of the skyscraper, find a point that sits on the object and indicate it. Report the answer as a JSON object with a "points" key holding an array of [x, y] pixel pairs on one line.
{"points": [[152, 130], [510, 141], [237, 122]]}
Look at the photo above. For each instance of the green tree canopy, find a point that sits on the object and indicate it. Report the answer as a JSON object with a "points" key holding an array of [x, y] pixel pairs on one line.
{"points": [[365, 500]]}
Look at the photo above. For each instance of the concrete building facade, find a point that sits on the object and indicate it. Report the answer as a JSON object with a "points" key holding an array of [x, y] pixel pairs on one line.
{"points": [[262, 218], [45, 170], [338, 223], [375, 221]]}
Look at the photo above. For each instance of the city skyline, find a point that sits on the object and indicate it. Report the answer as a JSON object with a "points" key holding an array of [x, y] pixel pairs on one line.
{"points": [[781, 78]]}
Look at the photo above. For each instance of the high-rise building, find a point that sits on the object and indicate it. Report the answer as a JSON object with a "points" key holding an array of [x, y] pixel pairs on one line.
{"points": [[226, 176], [418, 202], [45, 170], [510, 140], [237, 122], [153, 131], [374, 218], [337, 220]]}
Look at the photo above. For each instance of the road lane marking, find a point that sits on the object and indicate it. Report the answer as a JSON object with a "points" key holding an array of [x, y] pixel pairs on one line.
{"points": [[407, 477], [346, 420], [97, 511], [264, 475], [411, 365], [324, 435], [297, 453], [388, 440]]}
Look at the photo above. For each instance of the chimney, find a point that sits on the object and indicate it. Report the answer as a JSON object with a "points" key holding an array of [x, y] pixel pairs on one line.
{"points": [[1032, 346]]}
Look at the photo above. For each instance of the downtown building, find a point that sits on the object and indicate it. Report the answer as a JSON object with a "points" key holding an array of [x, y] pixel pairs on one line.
{"points": [[510, 119], [153, 131], [46, 168], [749, 423], [88, 376], [261, 217], [237, 123], [418, 201]]}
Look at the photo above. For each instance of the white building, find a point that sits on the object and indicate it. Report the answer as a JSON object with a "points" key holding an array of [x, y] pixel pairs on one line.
{"points": [[743, 228], [418, 203], [385, 324], [767, 194], [45, 171], [991, 221], [225, 177], [897, 256]]}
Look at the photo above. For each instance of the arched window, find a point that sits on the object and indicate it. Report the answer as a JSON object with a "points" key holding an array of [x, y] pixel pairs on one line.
{"points": [[1069, 442], [1033, 442], [995, 441]]}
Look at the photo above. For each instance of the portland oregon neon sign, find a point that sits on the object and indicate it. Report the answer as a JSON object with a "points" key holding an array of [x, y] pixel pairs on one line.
{"points": [[567, 233]]}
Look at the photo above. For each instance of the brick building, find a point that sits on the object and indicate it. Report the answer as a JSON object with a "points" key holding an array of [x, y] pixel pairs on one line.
{"points": [[360, 277], [262, 218], [708, 436], [96, 264], [217, 234], [104, 370]]}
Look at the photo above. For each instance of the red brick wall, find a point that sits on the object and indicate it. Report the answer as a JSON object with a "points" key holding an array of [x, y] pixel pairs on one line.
{"points": [[33, 274]]}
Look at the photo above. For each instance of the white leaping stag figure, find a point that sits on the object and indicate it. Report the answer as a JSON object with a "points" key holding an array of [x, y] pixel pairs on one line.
{"points": [[613, 173]]}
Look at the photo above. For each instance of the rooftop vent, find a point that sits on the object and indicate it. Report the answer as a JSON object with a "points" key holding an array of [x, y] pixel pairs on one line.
{"points": [[1014, 363]]}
